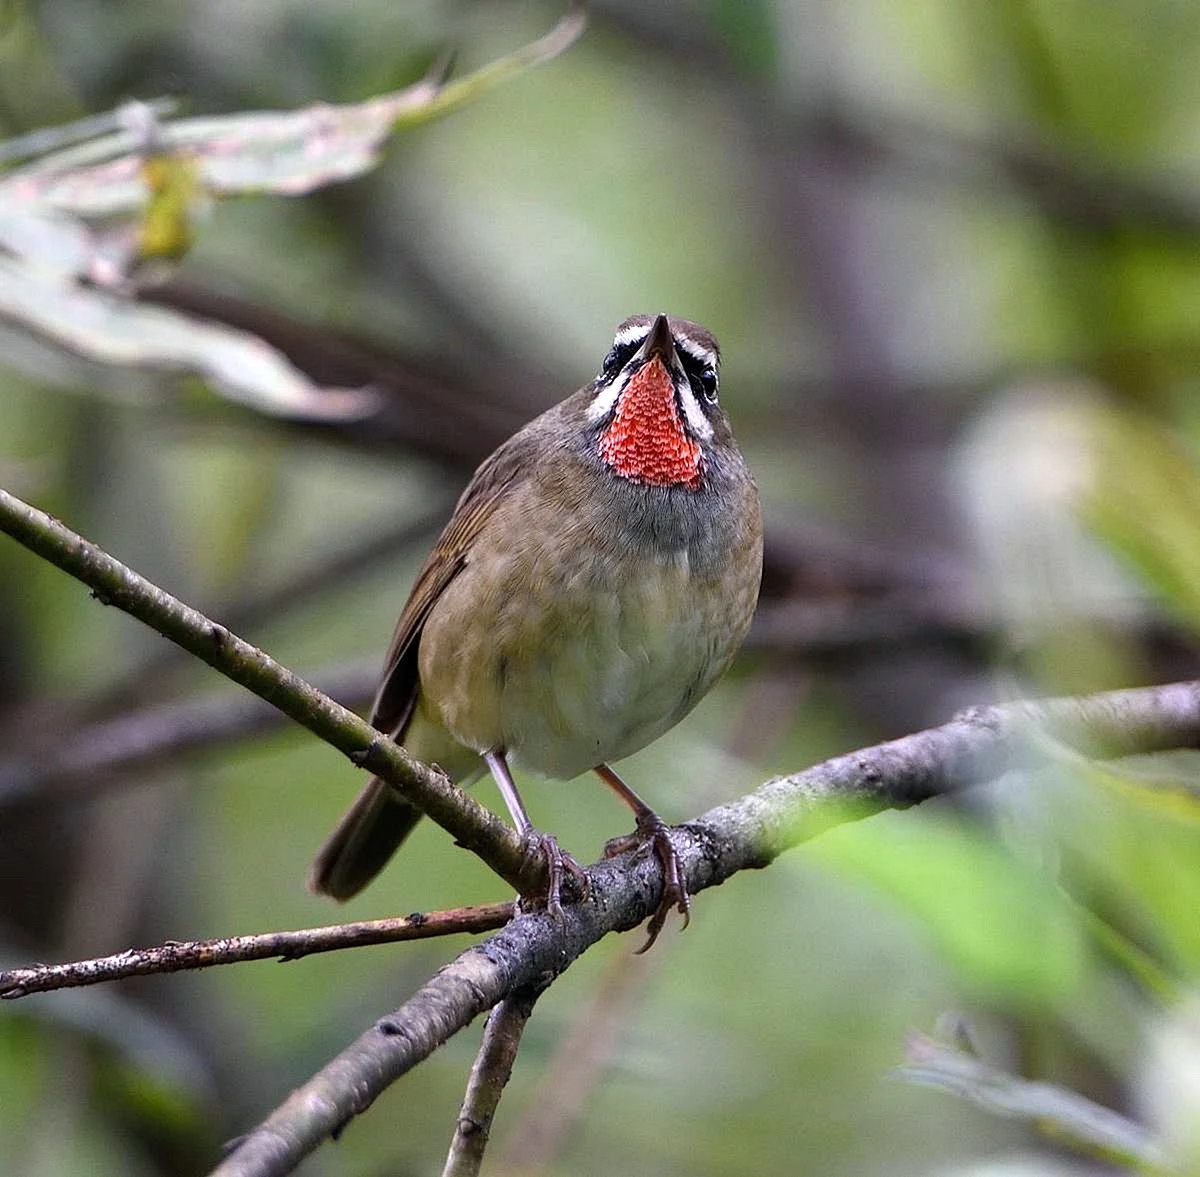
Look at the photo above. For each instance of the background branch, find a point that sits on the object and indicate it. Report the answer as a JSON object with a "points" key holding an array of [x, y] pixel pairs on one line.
{"points": [[302, 587], [102, 755], [535, 948], [1063, 1115]]}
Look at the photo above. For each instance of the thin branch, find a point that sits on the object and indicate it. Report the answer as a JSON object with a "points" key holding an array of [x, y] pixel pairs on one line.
{"points": [[87, 759], [177, 955], [581, 1060], [443, 409], [489, 1076], [112, 583], [978, 745]]}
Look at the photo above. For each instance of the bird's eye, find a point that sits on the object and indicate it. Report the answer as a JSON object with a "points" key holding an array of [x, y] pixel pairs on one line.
{"points": [[705, 383], [701, 374], [619, 357]]}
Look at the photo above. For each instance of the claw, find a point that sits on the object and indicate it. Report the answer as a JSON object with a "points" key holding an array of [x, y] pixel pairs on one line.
{"points": [[653, 834], [558, 863]]}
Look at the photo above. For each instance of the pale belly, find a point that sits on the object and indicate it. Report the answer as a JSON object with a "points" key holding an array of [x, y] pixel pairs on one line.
{"points": [[572, 663]]}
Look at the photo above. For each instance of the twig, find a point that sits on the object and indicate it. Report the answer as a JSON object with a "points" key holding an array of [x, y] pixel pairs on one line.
{"points": [[489, 1076], [563, 1091], [979, 745], [112, 583], [177, 955]]}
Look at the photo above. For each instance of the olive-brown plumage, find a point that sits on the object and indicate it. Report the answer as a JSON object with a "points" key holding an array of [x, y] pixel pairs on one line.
{"points": [[596, 578]]}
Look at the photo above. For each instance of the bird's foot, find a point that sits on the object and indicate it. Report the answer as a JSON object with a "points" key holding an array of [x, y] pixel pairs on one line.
{"points": [[558, 865], [653, 834]]}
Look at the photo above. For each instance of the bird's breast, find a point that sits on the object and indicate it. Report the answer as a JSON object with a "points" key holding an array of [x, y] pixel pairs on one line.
{"points": [[568, 644]]}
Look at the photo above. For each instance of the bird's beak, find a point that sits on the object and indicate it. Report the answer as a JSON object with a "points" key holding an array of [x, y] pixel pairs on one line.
{"points": [[660, 342]]}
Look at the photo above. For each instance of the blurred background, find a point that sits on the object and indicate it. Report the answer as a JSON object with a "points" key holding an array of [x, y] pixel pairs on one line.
{"points": [[952, 254]]}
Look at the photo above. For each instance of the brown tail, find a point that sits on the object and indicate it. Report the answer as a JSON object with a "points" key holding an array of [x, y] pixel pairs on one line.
{"points": [[369, 833]]}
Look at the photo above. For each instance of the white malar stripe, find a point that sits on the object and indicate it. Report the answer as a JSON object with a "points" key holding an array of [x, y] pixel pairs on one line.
{"points": [[604, 402], [698, 423]]}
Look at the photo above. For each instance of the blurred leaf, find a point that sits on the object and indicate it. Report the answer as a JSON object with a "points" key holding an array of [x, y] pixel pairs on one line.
{"points": [[748, 28], [1061, 1114], [997, 921], [103, 325], [285, 152], [170, 1108], [1168, 1080], [46, 241], [1145, 502], [1139, 833], [146, 1070], [173, 184], [162, 172], [47, 139], [22, 1073]]}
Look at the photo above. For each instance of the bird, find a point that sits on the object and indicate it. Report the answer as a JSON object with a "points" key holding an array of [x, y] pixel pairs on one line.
{"points": [[596, 578]]}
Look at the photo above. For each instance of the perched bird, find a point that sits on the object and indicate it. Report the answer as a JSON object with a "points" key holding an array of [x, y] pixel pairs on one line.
{"points": [[596, 578]]}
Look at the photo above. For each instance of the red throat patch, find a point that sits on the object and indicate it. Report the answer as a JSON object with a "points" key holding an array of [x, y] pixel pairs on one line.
{"points": [[646, 441]]}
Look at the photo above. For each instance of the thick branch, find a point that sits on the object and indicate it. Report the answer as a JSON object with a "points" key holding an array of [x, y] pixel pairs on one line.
{"points": [[112, 583], [533, 949], [978, 745]]}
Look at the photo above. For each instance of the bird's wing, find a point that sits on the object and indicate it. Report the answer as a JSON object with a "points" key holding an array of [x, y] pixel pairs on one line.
{"points": [[397, 694]]}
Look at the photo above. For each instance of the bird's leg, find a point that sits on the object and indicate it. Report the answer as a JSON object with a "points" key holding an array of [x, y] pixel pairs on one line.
{"points": [[543, 845], [652, 833]]}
